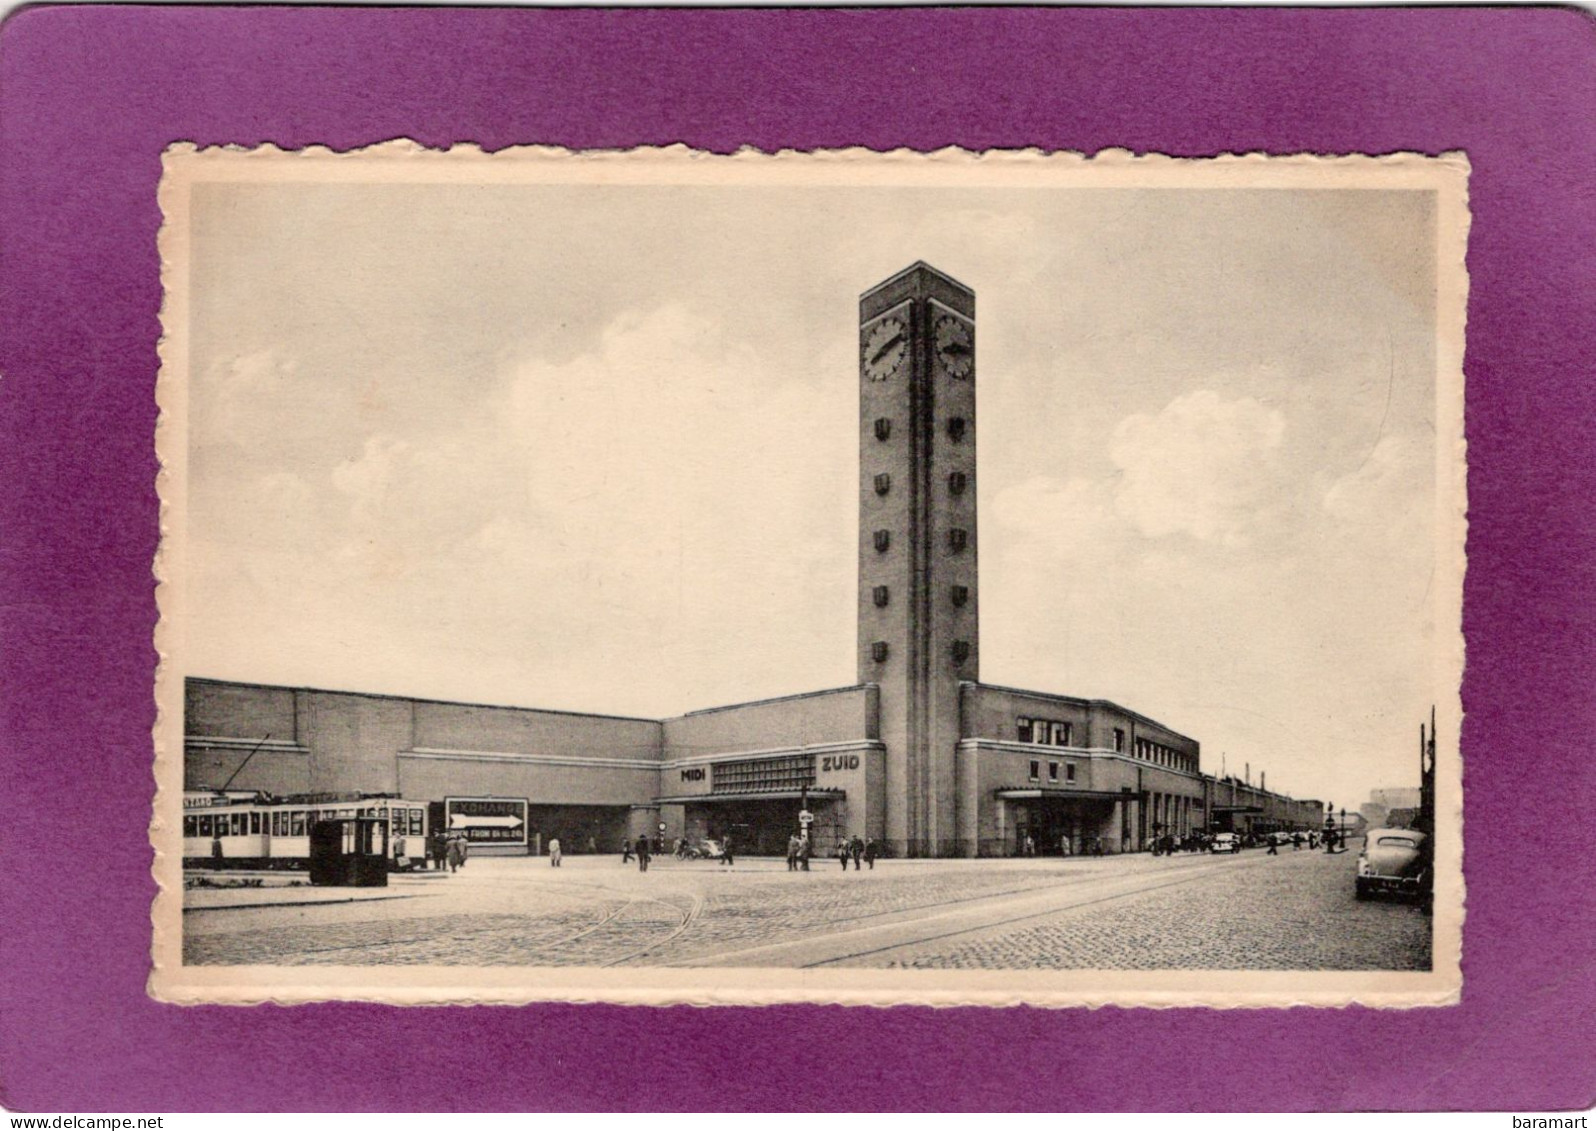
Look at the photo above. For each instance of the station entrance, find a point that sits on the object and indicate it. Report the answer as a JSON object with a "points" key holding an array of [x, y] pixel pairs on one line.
{"points": [[581, 829], [761, 826], [1078, 824]]}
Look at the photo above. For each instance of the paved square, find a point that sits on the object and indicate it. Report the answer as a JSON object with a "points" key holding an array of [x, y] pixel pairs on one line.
{"points": [[1294, 911]]}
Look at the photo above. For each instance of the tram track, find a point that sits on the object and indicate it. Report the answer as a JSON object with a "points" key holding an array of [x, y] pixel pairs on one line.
{"points": [[906, 929]]}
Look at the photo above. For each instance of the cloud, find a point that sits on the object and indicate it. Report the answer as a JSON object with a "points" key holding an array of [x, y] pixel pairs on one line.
{"points": [[1202, 466]]}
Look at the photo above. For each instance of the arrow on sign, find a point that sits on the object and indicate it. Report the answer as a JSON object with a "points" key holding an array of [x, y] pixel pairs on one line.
{"points": [[461, 821]]}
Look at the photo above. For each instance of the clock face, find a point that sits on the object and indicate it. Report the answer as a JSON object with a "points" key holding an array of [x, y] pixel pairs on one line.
{"points": [[954, 347], [884, 348]]}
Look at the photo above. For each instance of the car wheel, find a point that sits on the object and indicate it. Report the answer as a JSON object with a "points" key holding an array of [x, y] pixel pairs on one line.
{"points": [[1362, 890]]}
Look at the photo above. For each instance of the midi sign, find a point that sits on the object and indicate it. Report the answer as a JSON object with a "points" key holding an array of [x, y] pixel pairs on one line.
{"points": [[488, 820]]}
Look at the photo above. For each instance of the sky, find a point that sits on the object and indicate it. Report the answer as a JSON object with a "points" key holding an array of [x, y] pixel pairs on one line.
{"points": [[595, 448]]}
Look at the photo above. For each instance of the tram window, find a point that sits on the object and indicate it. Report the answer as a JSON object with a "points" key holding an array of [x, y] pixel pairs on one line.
{"points": [[416, 817], [296, 823], [254, 824], [205, 826], [191, 826]]}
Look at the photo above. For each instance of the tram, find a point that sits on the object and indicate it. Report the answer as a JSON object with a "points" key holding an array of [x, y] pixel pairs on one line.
{"points": [[256, 830]]}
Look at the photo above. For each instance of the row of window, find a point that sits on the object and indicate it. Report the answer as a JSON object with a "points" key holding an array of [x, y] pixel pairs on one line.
{"points": [[960, 650], [1161, 755], [1049, 732], [957, 482], [758, 775], [958, 594], [956, 428], [1052, 771], [1044, 732], [286, 822]]}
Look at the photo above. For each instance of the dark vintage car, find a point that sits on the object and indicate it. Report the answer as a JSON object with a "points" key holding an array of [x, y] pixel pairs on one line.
{"points": [[1394, 861]]}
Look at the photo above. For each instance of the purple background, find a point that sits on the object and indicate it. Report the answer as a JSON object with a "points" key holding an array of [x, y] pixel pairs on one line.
{"points": [[91, 96]]}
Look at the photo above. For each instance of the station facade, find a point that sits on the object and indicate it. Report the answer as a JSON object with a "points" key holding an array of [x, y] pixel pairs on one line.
{"points": [[918, 755]]}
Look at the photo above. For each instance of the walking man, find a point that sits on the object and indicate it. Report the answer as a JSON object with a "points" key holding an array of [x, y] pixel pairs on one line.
{"points": [[793, 846], [856, 850], [726, 852], [804, 850], [870, 853], [642, 853]]}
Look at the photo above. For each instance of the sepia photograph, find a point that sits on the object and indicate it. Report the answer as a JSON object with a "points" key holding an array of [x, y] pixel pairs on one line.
{"points": [[661, 577]]}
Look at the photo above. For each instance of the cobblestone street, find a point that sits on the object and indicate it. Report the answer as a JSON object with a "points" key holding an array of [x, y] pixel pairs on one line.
{"points": [[1248, 912]]}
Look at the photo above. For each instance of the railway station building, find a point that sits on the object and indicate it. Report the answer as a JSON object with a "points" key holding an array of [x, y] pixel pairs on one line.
{"points": [[918, 754]]}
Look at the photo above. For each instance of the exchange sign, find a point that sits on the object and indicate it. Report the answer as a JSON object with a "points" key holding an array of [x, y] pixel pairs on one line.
{"points": [[488, 820]]}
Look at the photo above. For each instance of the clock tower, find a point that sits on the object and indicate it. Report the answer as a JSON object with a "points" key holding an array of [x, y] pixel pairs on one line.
{"points": [[917, 544]]}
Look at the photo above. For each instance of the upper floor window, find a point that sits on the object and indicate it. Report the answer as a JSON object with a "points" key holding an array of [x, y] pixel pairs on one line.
{"points": [[1052, 771], [1069, 771], [1023, 728], [1119, 741], [1036, 771]]}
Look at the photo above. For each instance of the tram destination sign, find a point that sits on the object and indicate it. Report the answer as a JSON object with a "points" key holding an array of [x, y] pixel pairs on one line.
{"points": [[488, 820]]}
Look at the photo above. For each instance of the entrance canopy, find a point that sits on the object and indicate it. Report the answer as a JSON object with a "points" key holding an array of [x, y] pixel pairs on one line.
{"points": [[1062, 794], [758, 795]]}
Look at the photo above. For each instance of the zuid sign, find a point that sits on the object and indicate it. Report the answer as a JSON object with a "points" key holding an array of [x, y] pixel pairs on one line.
{"points": [[488, 820], [830, 762]]}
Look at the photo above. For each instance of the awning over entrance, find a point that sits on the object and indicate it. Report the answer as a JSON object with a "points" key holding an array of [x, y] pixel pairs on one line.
{"points": [[1238, 808], [764, 795], [1063, 794]]}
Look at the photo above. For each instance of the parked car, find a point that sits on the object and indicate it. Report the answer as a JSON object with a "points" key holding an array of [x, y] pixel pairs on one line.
{"points": [[1225, 842], [1395, 861]]}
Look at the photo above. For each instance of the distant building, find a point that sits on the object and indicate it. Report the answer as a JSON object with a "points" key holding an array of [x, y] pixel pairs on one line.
{"points": [[918, 754]]}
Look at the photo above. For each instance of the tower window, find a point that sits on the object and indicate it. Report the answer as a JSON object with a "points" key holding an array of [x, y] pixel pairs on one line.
{"points": [[883, 539], [961, 595], [956, 428], [961, 651], [957, 540], [883, 428], [881, 595], [878, 651], [957, 482], [883, 483]]}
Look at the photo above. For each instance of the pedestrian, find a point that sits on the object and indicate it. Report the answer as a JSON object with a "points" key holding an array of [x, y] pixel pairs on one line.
{"points": [[856, 850], [626, 851], [805, 849], [793, 847], [642, 853], [438, 849], [401, 858], [1030, 845], [726, 853], [216, 846], [1296, 842], [456, 852], [1065, 845], [592, 847], [870, 853], [842, 851], [554, 852], [1274, 847]]}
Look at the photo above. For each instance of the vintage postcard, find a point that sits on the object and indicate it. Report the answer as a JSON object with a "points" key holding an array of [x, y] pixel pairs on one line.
{"points": [[588, 576]]}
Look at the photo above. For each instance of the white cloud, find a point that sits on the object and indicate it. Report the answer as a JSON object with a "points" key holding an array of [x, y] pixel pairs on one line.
{"points": [[1202, 466]]}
